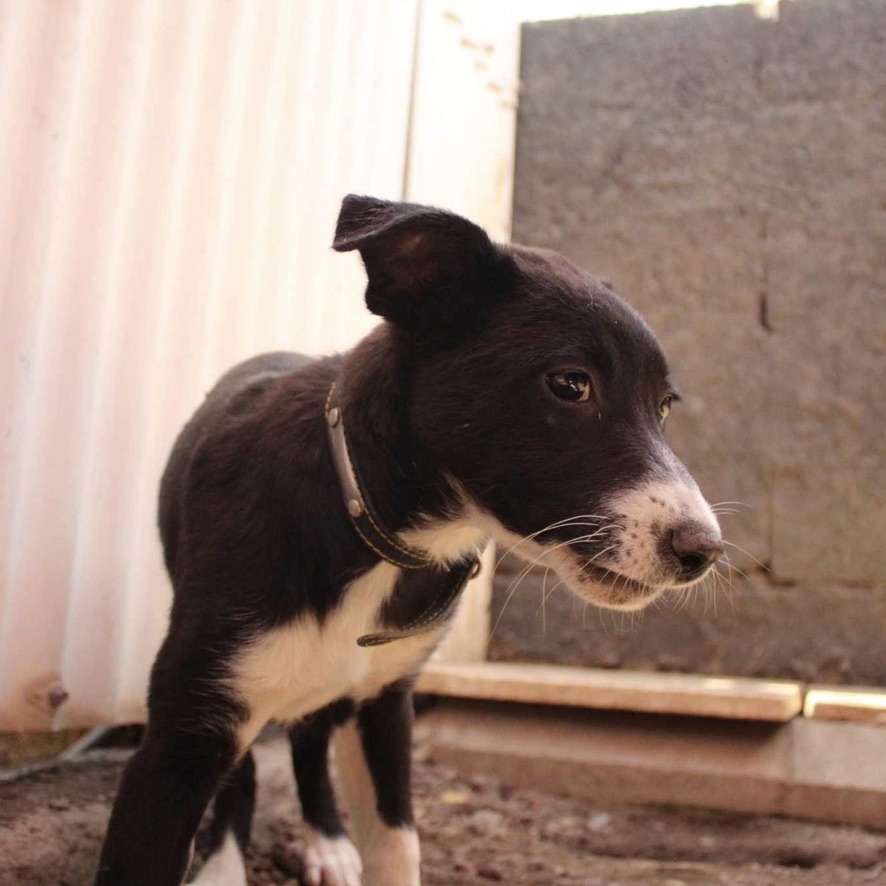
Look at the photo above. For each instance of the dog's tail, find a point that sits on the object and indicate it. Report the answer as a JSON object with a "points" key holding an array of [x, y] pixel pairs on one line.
{"points": [[230, 829]]}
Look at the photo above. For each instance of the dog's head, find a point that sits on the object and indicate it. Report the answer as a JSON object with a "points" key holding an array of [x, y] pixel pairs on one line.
{"points": [[542, 396]]}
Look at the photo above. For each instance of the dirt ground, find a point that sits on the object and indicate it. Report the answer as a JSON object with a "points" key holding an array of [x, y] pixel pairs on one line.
{"points": [[474, 830]]}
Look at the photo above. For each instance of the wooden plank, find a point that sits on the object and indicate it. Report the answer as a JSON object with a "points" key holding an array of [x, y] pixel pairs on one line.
{"points": [[689, 694], [858, 704]]}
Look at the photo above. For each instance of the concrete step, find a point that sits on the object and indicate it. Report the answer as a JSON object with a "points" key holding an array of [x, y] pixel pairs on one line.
{"points": [[811, 769]]}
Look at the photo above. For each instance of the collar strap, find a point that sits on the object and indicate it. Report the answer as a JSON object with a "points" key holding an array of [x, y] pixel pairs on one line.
{"points": [[451, 582], [360, 512]]}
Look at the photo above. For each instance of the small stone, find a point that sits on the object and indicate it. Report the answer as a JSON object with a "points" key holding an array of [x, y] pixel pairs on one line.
{"points": [[484, 821], [454, 798], [490, 872], [599, 822], [478, 782]]}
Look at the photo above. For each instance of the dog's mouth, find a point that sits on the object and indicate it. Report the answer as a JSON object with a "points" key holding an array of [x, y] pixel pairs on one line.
{"points": [[623, 592], [615, 590], [593, 570], [587, 574]]}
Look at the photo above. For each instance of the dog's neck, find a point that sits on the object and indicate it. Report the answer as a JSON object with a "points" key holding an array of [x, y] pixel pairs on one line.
{"points": [[404, 488], [364, 518]]}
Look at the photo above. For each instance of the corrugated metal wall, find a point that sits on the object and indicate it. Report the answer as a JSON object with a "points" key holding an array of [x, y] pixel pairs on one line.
{"points": [[170, 177], [170, 173]]}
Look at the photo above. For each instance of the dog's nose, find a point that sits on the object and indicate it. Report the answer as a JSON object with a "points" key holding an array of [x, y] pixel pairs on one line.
{"points": [[696, 546]]}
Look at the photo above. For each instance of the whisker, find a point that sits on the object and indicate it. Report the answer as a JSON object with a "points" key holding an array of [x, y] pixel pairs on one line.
{"points": [[727, 582], [763, 566], [544, 612], [554, 588], [512, 589], [537, 561], [599, 554], [685, 599], [725, 586], [729, 565], [577, 520]]}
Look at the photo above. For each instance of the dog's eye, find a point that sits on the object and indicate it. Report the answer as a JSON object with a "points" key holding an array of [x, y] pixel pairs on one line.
{"points": [[570, 385], [664, 409]]}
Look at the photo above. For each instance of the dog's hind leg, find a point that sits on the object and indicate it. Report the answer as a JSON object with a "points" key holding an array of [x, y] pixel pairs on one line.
{"points": [[230, 828], [329, 856], [373, 760]]}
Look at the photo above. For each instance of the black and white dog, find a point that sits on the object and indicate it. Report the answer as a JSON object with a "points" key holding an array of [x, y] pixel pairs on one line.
{"points": [[320, 517]]}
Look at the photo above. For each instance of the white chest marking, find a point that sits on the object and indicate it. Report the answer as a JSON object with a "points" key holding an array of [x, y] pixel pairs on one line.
{"points": [[303, 666]]}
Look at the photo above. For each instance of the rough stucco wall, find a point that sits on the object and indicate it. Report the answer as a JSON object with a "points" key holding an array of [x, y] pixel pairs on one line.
{"points": [[728, 174]]}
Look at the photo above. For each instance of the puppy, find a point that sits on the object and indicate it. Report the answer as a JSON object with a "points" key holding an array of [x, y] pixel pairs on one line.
{"points": [[319, 519]]}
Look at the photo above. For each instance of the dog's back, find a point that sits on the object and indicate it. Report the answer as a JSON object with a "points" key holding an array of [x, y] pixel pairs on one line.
{"points": [[234, 390]]}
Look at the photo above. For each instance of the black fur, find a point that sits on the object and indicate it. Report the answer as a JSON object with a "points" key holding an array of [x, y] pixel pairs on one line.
{"points": [[309, 741], [234, 806], [385, 725]]}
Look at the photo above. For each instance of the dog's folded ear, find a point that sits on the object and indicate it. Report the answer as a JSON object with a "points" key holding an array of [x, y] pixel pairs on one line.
{"points": [[422, 264]]}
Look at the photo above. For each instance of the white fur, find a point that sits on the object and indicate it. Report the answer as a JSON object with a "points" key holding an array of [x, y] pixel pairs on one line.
{"points": [[225, 867], [649, 509], [393, 859], [330, 861], [391, 856], [303, 666], [446, 541]]}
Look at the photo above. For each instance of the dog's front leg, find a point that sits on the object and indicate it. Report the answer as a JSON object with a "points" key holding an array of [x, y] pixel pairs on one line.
{"points": [[373, 758], [189, 746], [165, 788], [330, 858]]}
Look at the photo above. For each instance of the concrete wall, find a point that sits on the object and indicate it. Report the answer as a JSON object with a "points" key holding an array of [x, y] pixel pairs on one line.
{"points": [[729, 175]]}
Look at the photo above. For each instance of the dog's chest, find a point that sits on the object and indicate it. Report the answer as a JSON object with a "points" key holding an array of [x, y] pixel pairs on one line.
{"points": [[301, 667]]}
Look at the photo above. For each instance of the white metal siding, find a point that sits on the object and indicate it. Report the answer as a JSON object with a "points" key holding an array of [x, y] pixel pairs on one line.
{"points": [[170, 178], [170, 173]]}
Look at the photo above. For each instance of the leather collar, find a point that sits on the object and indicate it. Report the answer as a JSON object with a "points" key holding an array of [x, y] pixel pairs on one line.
{"points": [[363, 517], [450, 580]]}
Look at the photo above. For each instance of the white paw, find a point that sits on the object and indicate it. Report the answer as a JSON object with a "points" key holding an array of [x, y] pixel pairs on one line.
{"points": [[330, 861], [392, 858], [223, 868]]}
